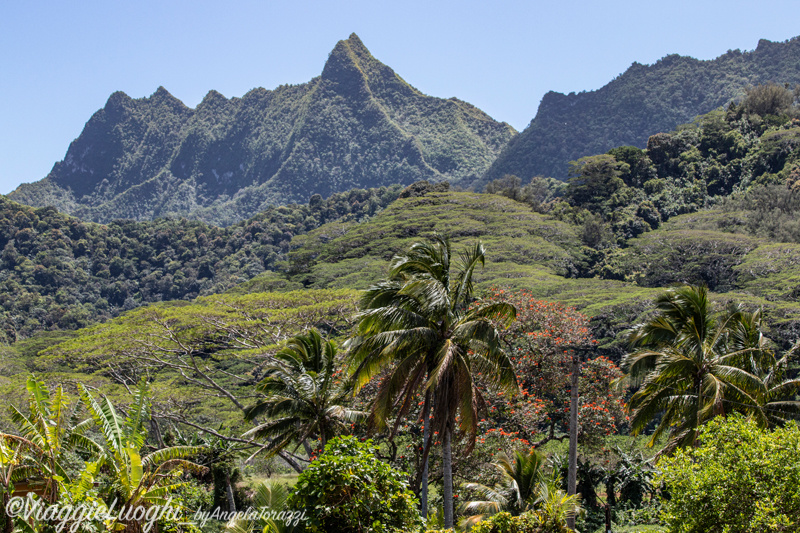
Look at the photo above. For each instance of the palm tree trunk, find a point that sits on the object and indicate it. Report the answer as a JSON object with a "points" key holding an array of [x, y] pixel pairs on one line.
{"points": [[291, 462], [307, 448], [426, 435], [447, 464], [699, 387], [229, 493]]}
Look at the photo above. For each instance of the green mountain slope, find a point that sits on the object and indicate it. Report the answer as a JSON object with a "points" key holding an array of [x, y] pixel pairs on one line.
{"points": [[644, 100], [546, 258], [357, 125], [58, 272]]}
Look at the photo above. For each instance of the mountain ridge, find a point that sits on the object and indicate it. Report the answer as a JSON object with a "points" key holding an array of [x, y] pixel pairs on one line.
{"points": [[640, 102], [358, 124]]}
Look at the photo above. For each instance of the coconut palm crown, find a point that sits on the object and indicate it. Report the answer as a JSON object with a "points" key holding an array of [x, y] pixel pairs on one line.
{"points": [[302, 398], [693, 363]]}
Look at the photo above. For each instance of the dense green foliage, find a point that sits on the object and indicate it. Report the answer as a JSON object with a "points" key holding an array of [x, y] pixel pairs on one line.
{"points": [[422, 320], [205, 356], [693, 363], [633, 191], [642, 101], [531, 522], [715, 202], [348, 490], [357, 125], [740, 479], [303, 399], [516, 491], [53, 449], [61, 273]]}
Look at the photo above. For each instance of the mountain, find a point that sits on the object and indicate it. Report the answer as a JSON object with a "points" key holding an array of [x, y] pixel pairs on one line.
{"points": [[644, 100], [714, 202], [357, 125]]}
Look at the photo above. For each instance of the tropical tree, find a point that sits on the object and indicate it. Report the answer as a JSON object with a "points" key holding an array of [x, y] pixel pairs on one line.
{"points": [[270, 500], [633, 476], [540, 344], [775, 400], [554, 507], [740, 479], [220, 456], [47, 432], [138, 480], [303, 398], [11, 463], [693, 364], [422, 321], [350, 490], [516, 491]]}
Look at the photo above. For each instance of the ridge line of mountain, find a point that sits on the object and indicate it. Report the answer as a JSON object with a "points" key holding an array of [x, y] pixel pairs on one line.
{"points": [[357, 125]]}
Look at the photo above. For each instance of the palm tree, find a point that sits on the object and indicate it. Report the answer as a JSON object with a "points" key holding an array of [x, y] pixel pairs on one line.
{"points": [[422, 321], [775, 401], [516, 492], [694, 364], [554, 507], [303, 399], [266, 496]]}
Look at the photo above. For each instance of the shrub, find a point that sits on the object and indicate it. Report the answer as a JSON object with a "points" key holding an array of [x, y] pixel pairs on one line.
{"points": [[740, 479], [348, 490], [532, 522]]}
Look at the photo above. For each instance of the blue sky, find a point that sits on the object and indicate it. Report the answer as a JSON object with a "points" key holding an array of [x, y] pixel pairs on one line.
{"points": [[59, 61]]}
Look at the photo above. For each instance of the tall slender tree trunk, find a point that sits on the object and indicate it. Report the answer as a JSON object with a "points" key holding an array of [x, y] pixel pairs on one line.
{"points": [[229, 494], [308, 449], [426, 435], [447, 464], [699, 387], [572, 475], [291, 462], [8, 522]]}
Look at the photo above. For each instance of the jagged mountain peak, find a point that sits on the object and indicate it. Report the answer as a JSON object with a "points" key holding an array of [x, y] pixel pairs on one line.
{"points": [[212, 100], [352, 66], [357, 125], [163, 97], [343, 66]]}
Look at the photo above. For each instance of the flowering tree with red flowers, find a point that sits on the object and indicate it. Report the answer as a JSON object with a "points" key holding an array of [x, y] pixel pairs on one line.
{"points": [[540, 343]]}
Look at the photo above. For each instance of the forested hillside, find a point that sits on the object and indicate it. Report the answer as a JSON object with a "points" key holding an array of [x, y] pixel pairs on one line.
{"points": [[643, 101], [357, 125], [58, 272], [714, 202]]}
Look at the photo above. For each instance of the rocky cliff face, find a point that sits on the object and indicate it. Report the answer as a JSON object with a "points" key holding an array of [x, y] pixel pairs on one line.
{"points": [[359, 124], [641, 102]]}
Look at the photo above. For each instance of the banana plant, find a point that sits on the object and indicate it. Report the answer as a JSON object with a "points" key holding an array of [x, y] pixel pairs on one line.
{"points": [[139, 480], [15, 466], [46, 433], [37, 457]]}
